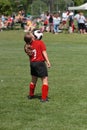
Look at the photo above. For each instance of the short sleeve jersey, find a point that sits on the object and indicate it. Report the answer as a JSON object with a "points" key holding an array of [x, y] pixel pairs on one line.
{"points": [[38, 47]]}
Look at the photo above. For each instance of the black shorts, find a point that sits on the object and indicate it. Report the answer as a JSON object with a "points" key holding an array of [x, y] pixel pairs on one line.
{"points": [[38, 69], [82, 26]]}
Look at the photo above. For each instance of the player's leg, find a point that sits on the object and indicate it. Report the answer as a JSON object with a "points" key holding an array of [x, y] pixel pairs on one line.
{"points": [[45, 88], [32, 86]]}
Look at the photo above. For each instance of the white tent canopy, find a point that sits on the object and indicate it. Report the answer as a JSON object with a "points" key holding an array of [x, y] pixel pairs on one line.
{"points": [[81, 7]]}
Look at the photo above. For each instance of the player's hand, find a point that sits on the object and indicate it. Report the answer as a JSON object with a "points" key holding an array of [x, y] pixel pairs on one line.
{"points": [[48, 64]]}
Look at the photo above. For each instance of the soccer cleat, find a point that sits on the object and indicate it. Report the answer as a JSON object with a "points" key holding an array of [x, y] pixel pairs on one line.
{"points": [[30, 97], [44, 100]]}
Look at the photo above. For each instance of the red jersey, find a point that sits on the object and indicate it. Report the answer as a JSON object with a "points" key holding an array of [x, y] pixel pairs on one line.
{"points": [[38, 47]]}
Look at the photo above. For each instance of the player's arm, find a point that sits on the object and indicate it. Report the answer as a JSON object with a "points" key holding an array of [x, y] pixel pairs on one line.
{"points": [[28, 50], [46, 58]]}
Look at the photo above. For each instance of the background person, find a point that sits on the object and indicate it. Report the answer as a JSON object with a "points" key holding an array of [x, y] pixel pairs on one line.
{"points": [[82, 21], [56, 23]]}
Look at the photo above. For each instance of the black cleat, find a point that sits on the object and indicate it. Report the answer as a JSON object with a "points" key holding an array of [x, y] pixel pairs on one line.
{"points": [[44, 100], [30, 97]]}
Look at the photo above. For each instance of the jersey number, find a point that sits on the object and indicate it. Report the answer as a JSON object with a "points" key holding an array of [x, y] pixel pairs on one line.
{"points": [[34, 52]]}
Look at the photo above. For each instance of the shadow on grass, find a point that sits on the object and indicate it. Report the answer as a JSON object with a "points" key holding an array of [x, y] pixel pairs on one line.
{"points": [[37, 96]]}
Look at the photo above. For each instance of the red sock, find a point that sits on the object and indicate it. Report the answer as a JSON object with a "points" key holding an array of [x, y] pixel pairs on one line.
{"points": [[44, 92], [31, 88]]}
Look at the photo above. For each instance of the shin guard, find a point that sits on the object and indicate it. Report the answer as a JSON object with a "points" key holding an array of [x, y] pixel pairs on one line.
{"points": [[44, 92], [31, 89]]}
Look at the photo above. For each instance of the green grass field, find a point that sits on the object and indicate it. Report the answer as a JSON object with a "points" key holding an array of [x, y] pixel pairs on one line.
{"points": [[67, 106]]}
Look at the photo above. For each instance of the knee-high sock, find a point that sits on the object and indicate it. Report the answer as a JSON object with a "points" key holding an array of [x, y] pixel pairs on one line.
{"points": [[31, 89], [44, 91]]}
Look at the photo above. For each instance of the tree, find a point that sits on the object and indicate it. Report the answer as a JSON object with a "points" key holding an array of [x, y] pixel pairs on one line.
{"points": [[20, 4], [5, 7], [85, 1], [78, 2], [37, 7], [60, 5], [25, 4]]}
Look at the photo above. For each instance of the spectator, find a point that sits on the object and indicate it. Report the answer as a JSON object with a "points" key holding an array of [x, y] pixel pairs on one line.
{"points": [[64, 19], [51, 23], [30, 25], [76, 17], [3, 25], [71, 22], [3, 18], [10, 21], [56, 23], [46, 23], [82, 20]]}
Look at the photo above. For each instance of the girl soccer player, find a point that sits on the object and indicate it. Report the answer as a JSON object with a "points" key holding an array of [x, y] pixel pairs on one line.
{"points": [[36, 50]]}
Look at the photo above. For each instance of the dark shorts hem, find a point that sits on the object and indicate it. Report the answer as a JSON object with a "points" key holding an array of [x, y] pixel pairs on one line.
{"points": [[39, 69]]}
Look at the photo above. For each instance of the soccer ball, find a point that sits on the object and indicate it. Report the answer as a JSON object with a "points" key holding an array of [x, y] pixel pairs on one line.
{"points": [[38, 34]]}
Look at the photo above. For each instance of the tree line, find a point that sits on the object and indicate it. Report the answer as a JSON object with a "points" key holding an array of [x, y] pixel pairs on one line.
{"points": [[36, 7]]}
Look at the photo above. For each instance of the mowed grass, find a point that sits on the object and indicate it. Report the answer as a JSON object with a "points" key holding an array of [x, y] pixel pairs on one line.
{"points": [[67, 106]]}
